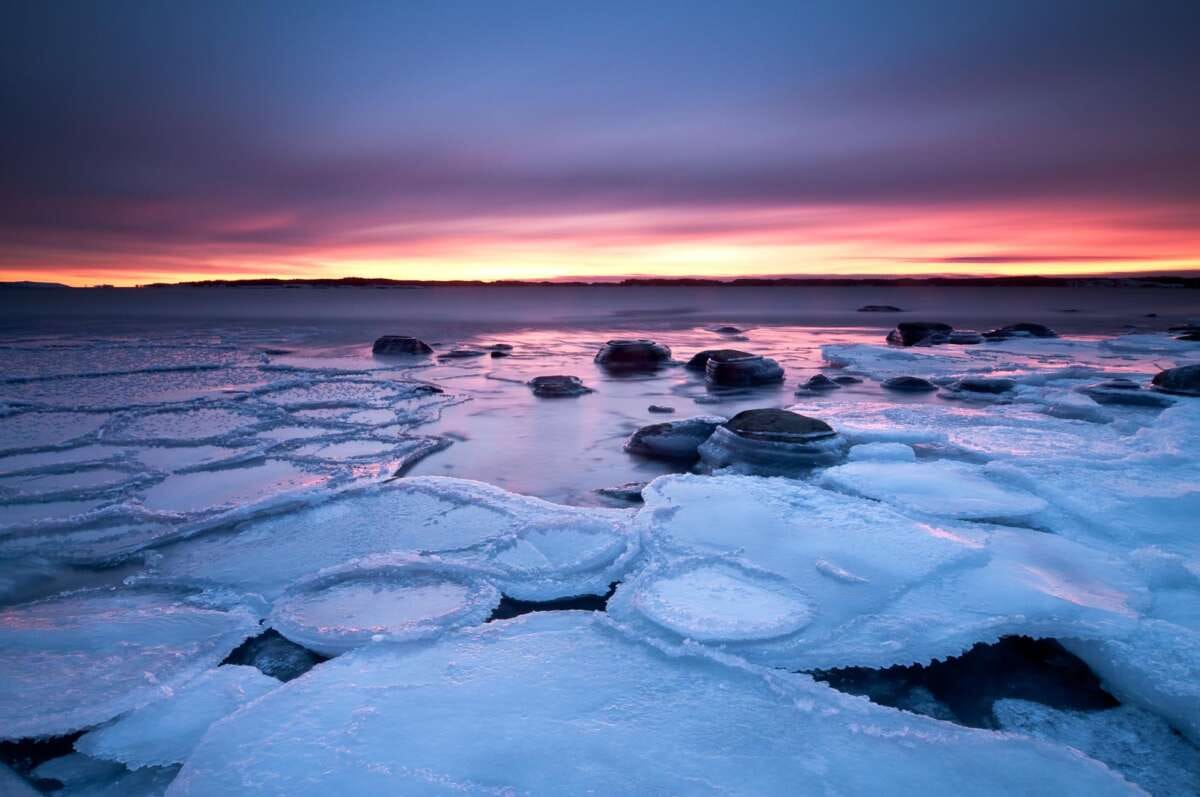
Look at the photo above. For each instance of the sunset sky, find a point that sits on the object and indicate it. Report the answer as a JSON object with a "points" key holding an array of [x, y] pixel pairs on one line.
{"points": [[164, 141]]}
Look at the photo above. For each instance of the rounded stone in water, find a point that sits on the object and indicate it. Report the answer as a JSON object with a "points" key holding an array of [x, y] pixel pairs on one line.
{"points": [[821, 382], [731, 368], [909, 384], [558, 386], [633, 354], [773, 441], [401, 345]]}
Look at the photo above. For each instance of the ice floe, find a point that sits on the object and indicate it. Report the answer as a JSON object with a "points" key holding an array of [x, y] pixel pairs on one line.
{"points": [[562, 703], [82, 658]]}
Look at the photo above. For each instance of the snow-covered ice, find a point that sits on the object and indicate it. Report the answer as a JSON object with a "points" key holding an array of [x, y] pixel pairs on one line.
{"points": [[564, 703]]}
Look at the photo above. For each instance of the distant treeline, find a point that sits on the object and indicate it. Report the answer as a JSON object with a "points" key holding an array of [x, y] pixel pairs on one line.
{"points": [[752, 282]]}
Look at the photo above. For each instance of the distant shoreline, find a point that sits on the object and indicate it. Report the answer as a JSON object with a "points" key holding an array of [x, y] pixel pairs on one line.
{"points": [[1165, 281]]}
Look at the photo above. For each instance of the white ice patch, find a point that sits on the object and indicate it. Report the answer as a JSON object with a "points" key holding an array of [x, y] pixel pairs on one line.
{"points": [[561, 703], [537, 550], [165, 731], [374, 601], [225, 489], [882, 452], [183, 425], [77, 660], [879, 588], [940, 488]]}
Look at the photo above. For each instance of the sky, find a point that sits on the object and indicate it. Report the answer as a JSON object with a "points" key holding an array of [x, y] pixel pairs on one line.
{"points": [[167, 141]]}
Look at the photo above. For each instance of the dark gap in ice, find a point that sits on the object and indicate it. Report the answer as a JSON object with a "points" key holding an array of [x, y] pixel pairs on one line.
{"points": [[274, 655], [963, 688], [25, 755], [511, 607]]}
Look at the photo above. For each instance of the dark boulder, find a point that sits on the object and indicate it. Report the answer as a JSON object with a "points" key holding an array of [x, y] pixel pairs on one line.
{"points": [[633, 355], [1192, 337], [1024, 329], [879, 308], [1184, 380], [820, 382], [673, 440], [909, 384], [738, 369], [500, 347], [558, 386], [728, 330], [660, 409], [401, 345], [1124, 392], [699, 361], [978, 384], [846, 379], [498, 353], [780, 425], [630, 492], [919, 333], [772, 441]]}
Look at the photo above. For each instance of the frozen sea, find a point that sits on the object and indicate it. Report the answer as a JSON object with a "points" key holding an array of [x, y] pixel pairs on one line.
{"points": [[241, 554]]}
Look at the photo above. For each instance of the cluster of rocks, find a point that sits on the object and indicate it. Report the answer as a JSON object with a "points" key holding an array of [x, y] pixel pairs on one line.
{"points": [[934, 333], [735, 368]]}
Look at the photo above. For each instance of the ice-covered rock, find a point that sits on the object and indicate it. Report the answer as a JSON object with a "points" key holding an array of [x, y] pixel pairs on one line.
{"points": [[537, 550], [382, 599], [772, 441], [1023, 329], [919, 333], [165, 731], [980, 384], [1124, 392], [400, 345], [80, 659], [562, 703], [1184, 380], [633, 354], [558, 386], [964, 337], [941, 488], [673, 440], [1137, 744]]}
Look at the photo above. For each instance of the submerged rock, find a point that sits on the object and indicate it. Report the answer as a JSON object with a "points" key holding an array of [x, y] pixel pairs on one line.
{"points": [[500, 347], [498, 353], [1184, 380], [821, 382], [728, 329], [558, 386], [846, 379], [909, 384], [879, 308], [1023, 329], [271, 654], [677, 440], [1126, 392], [979, 384], [635, 354], [730, 368], [630, 491], [660, 409], [401, 345], [919, 333], [461, 354], [773, 440]]}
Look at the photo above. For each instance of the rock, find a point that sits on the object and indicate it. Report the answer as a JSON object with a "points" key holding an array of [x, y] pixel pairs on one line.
{"points": [[846, 379], [909, 384], [1023, 329], [1151, 315], [1125, 392], [772, 441], [630, 491], [821, 382], [1185, 328], [964, 337], [500, 347], [731, 368], [728, 330], [699, 360], [558, 386], [979, 384], [879, 308], [498, 353], [401, 345], [461, 354], [1184, 380], [1192, 337], [919, 333], [633, 355], [275, 656], [674, 440], [659, 408]]}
